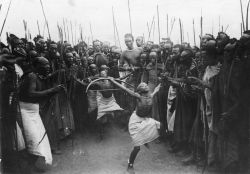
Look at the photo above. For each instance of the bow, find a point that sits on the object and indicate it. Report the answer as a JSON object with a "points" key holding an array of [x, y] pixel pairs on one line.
{"points": [[106, 78]]}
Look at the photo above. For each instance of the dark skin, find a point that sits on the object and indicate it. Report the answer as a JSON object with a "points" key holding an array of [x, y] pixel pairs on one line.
{"points": [[131, 55], [32, 88]]}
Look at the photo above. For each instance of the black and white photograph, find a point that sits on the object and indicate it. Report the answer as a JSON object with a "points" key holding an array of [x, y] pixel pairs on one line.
{"points": [[124, 87]]}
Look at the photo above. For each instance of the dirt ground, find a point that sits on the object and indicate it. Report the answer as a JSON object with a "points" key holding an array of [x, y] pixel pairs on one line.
{"points": [[86, 154]]}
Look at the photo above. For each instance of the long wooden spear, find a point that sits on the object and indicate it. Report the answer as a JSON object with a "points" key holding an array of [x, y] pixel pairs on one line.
{"points": [[72, 37], [130, 22], [25, 29], [247, 14], [116, 29], [114, 24], [5, 18], [67, 30], [90, 27], [241, 29], [39, 32], [172, 26], [45, 19], [242, 15], [64, 29], [194, 33], [180, 30], [167, 27], [151, 27], [117, 35], [158, 22]]}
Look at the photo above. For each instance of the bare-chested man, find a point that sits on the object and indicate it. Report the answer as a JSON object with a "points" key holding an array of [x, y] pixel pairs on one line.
{"points": [[130, 61], [32, 92]]}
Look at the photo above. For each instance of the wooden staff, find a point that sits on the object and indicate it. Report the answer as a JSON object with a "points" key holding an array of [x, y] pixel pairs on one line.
{"points": [[72, 37], [226, 28], [46, 21], [64, 29], [213, 28], [117, 35], [247, 14], [219, 23], [242, 16], [180, 30], [75, 34], [114, 24], [167, 27], [172, 26], [194, 33], [67, 30], [241, 28], [148, 28], [5, 18], [201, 27], [151, 28], [130, 18], [38, 27], [25, 29], [91, 32], [158, 21], [154, 32], [44, 26]]}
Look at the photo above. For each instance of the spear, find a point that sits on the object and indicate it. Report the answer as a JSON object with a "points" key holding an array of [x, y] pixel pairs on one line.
{"points": [[242, 16], [213, 28], [44, 26], [194, 33], [219, 23], [158, 21], [67, 30], [188, 37], [172, 26], [154, 31], [90, 27], [114, 24], [25, 29], [148, 27], [46, 21], [151, 28], [38, 28], [180, 30], [247, 14], [167, 27], [118, 36], [5, 18], [64, 29], [72, 37], [241, 28], [75, 34], [226, 28], [130, 18]]}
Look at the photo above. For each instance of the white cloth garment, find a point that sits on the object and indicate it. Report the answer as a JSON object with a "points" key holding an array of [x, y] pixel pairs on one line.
{"points": [[170, 115], [34, 132], [143, 130], [106, 105]]}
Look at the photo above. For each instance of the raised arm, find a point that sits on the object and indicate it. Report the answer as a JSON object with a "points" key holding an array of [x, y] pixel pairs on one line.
{"points": [[157, 88], [130, 92]]}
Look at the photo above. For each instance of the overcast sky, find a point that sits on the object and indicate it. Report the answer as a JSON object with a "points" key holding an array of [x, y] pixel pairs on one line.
{"points": [[99, 14]]}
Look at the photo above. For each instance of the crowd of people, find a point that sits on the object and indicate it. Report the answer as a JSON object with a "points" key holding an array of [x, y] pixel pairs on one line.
{"points": [[197, 98]]}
